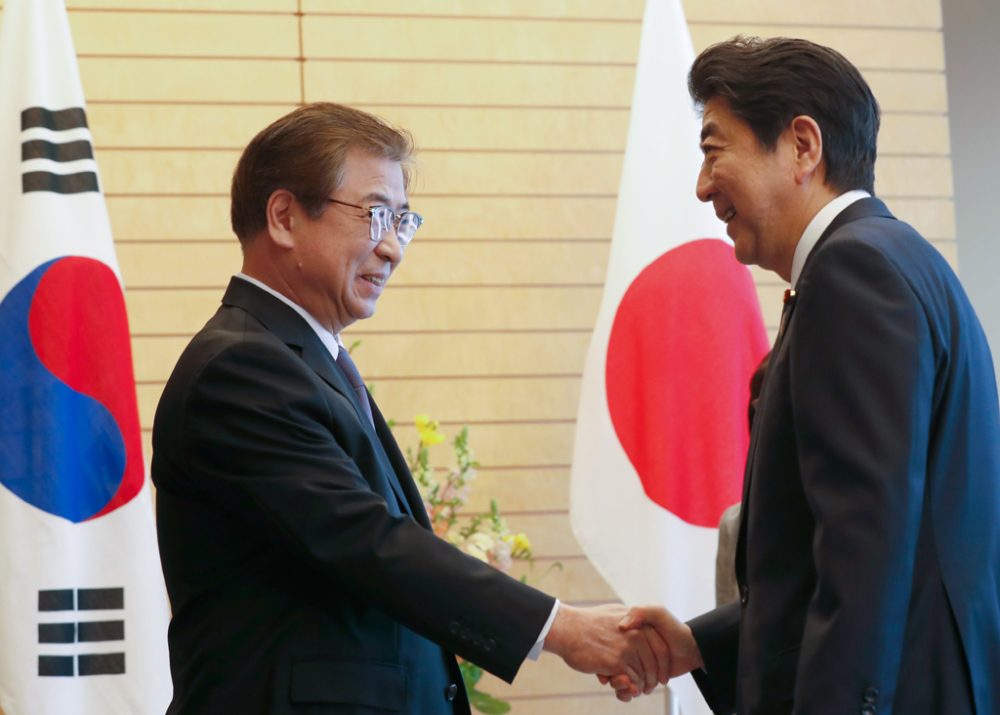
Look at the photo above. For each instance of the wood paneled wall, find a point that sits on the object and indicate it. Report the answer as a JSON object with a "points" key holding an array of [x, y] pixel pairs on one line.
{"points": [[520, 109]]}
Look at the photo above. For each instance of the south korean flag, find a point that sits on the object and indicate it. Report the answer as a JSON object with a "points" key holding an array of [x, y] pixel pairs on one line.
{"points": [[83, 609]]}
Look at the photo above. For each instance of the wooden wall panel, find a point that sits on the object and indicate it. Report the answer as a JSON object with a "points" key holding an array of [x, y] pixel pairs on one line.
{"points": [[524, 489], [909, 92], [184, 34], [892, 14], [456, 399], [527, 398], [919, 134], [163, 125], [934, 217], [437, 308], [170, 218], [628, 10], [868, 48], [520, 111], [187, 6], [888, 13], [473, 217], [150, 79], [416, 354], [445, 173], [468, 40], [209, 264], [166, 171], [512, 444], [461, 128], [541, 445], [461, 219], [448, 84]]}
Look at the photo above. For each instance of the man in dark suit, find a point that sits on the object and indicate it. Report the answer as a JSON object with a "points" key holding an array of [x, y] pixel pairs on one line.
{"points": [[298, 557], [869, 554]]}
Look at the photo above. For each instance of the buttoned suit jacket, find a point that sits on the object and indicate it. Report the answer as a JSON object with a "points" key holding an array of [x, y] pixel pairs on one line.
{"points": [[869, 551], [297, 553]]}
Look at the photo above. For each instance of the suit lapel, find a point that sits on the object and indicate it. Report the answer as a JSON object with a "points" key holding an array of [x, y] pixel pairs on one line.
{"points": [[863, 208], [411, 495], [292, 329]]}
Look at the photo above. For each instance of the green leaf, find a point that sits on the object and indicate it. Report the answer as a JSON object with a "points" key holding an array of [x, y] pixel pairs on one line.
{"points": [[471, 673], [487, 703]]}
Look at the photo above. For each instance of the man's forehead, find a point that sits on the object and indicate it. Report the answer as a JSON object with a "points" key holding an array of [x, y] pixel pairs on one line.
{"points": [[373, 178]]}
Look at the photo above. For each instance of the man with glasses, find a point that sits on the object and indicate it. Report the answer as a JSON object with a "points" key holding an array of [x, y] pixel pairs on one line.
{"points": [[298, 557]]}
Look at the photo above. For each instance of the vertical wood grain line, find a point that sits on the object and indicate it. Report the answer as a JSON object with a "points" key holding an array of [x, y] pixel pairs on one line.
{"points": [[302, 56]]}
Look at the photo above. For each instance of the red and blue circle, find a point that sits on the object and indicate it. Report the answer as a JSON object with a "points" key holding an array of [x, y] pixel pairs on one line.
{"points": [[70, 443]]}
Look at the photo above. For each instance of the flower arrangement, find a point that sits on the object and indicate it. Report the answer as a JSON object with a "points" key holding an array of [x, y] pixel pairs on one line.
{"points": [[484, 536]]}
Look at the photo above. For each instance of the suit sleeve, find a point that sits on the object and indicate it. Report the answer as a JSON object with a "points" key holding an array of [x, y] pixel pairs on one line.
{"points": [[861, 379], [263, 437], [717, 634]]}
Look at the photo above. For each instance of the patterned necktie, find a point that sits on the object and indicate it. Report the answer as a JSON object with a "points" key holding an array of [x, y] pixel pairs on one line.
{"points": [[350, 371]]}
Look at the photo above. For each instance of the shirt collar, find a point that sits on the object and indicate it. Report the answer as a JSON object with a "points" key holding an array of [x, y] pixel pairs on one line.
{"points": [[331, 341], [818, 225]]}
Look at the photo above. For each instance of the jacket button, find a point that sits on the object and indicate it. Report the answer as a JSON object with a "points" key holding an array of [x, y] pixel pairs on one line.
{"points": [[453, 628], [466, 634], [451, 692], [490, 645], [744, 594], [868, 709], [871, 695]]}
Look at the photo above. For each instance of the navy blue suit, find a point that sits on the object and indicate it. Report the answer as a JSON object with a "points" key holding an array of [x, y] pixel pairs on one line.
{"points": [[297, 553], [869, 552]]}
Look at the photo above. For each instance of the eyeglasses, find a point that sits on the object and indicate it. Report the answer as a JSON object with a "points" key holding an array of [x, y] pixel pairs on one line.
{"points": [[384, 218]]}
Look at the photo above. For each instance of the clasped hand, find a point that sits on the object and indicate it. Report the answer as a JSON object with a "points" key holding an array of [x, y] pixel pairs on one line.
{"points": [[630, 650]]}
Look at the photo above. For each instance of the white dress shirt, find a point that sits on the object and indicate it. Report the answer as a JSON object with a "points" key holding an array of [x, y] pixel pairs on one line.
{"points": [[818, 225]]}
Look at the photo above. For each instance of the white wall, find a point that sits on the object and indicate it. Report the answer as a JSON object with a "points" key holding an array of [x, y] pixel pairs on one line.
{"points": [[972, 56]]}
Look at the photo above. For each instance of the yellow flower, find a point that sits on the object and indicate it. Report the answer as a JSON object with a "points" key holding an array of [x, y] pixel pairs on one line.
{"points": [[428, 431], [520, 545]]}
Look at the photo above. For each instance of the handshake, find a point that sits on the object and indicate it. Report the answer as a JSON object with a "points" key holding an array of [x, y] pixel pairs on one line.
{"points": [[629, 649]]}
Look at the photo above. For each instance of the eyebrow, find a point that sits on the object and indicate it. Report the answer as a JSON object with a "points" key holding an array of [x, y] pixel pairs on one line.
{"points": [[710, 129], [381, 199]]}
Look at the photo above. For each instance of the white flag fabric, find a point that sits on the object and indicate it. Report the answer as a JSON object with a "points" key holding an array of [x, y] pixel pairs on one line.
{"points": [[83, 608], [662, 426]]}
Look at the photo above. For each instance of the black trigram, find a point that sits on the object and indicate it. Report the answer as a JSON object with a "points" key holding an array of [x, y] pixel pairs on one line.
{"points": [[44, 145], [83, 632]]}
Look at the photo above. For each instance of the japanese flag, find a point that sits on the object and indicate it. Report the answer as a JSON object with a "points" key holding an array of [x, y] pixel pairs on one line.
{"points": [[662, 428]]}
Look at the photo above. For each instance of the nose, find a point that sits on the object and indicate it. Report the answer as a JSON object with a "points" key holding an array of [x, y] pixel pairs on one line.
{"points": [[389, 248], [705, 186]]}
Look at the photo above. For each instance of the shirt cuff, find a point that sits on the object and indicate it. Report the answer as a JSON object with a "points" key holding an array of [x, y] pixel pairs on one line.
{"points": [[536, 650]]}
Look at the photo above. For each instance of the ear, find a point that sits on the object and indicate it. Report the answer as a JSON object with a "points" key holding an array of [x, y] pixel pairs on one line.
{"points": [[808, 141], [280, 220]]}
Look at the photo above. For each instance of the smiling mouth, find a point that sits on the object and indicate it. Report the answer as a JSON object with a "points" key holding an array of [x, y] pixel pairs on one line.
{"points": [[375, 280], [728, 215]]}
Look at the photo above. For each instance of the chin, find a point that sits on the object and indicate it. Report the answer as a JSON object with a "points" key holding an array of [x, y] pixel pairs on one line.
{"points": [[363, 312], [743, 255]]}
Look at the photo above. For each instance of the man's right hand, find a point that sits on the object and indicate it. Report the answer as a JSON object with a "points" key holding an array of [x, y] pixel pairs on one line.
{"points": [[684, 654], [592, 640]]}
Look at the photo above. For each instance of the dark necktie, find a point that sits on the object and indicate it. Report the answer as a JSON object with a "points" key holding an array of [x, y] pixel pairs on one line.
{"points": [[786, 314], [350, 371]]}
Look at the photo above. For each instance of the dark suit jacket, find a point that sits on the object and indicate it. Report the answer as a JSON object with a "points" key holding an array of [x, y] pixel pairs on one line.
{"points": [[869, 556], [300, 567]]}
